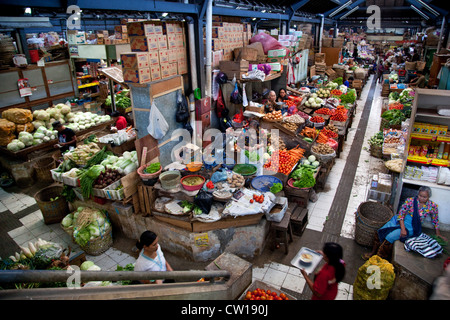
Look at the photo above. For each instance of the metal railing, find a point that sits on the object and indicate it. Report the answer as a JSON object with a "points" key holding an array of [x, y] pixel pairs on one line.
{"points": [[38, 276]]}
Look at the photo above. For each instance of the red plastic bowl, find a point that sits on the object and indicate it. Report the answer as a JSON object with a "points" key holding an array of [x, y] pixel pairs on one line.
{"points": [[192, 188]]}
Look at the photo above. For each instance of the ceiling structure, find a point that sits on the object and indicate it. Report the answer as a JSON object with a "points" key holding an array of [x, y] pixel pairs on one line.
{"points": [[336, 12]]}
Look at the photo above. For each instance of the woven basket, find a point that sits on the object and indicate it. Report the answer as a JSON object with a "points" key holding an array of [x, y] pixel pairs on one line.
{"points": [[52, 211], [43, 167], [370, 217], [376, 151], [97, 246]]}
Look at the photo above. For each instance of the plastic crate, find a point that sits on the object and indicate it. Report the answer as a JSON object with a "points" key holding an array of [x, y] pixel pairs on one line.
{"points": [[73, 182], [57, 176], [123, 209], [264, 286], [112, 194]]}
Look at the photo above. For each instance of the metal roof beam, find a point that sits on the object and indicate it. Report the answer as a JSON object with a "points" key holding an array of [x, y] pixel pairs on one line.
{"points": [[350, 7], [423, 8], [299, 4]]}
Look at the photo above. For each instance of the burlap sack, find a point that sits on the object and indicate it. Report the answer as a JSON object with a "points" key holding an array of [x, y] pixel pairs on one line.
{"points": [[4, 140], [17, 115], [29, 127], [6, 127]]}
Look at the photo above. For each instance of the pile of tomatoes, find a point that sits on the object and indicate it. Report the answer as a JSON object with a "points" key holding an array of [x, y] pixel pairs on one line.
{"points": [[257, 198], [260, 294]]}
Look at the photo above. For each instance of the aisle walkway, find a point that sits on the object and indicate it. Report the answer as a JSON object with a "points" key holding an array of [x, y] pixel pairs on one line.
{"points": [[331, 217]]}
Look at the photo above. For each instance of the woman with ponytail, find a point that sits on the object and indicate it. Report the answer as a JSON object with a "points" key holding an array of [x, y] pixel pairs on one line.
{"points": [[325, 284], [151, 257]]}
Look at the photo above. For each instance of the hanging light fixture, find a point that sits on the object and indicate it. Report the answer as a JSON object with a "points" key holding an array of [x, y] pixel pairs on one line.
{"points": [[420, 12], [345, 5], [349, 13]]}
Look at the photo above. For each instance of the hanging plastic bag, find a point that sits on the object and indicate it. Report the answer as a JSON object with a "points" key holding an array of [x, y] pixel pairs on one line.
{"points": [[244, 96], [157, 125], [236, 96], [182, 115]]}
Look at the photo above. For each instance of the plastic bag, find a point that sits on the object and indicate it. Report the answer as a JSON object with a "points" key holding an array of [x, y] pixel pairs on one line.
{"points": [[374, 280], [204, 201], [219, 176], [244, 96], [182, 114], [157, 125], [236, 96]]}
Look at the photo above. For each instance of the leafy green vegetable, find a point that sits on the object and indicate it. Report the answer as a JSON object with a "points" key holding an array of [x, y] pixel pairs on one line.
{"points": [[394, 116], [304, 177], [349, 97], [68, 193], [339, 80], [252, 156], [152, 168], [276, 187], [197, 210], [187, 206]]}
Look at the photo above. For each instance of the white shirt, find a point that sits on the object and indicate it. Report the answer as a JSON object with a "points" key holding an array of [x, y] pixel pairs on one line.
{"points": [[144, 263]]}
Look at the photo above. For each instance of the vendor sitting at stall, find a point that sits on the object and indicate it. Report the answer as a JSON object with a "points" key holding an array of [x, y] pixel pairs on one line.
{"points": [[420, 81], [119, 120], [66, 137], [406, 224], [151, 257], [282, 95], [271, 103]]}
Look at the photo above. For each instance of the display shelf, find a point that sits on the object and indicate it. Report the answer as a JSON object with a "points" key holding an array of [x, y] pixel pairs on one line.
{"points": [[425, 183], [424, 110], [429, 161], [430, 137], [87, 85]]}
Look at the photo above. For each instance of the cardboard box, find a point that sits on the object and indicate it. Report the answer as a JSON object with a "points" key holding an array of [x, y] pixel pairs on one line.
{"points": [[275, 66], [163, 56], [153, 57], [244, 53], [134, 60], [182, 66], [136, 75], [136, 29], [172, 54], [149, 29], [162, 42], [155, 72], [180, 40], [218, 32], [279, 53], [202, 106], [164, 70], [173, 69], [121, 29], [319, 58], [217, 56], [76, 37], [139, 44], [159, 28], [171, 42]]}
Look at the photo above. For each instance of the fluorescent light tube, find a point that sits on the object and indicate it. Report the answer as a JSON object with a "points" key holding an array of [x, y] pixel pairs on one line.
{"points": [[420, 13], [429, 8], [349, 13], [345, 5]]}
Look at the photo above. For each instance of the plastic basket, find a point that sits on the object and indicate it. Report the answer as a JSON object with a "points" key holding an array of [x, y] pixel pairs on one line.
{"points": [[57, 176], [111, 193]]}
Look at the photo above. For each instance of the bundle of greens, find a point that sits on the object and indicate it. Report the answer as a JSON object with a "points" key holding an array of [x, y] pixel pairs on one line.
{"points": [[276, 187], [88, 177], [303, 178], [152, 168], [349, 97], [394, 116]]}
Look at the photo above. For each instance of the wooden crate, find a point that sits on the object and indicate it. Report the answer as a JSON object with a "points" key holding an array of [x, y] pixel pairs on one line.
{"points": [[147, 196], [299, 220]]}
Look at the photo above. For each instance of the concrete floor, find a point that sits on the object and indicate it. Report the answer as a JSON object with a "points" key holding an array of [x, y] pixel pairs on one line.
{"points": [[21, 221]]}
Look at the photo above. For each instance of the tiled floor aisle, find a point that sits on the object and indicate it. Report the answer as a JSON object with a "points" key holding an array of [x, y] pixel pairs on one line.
{"points": [[275, 274]]}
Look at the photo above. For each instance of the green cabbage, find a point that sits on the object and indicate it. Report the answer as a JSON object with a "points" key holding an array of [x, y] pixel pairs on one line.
{"points": [[86, 265], [67, 220]]}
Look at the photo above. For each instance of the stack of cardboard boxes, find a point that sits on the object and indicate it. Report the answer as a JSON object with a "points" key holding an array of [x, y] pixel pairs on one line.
{"points": [[228, 33], [320, 63], [158, 51]]}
